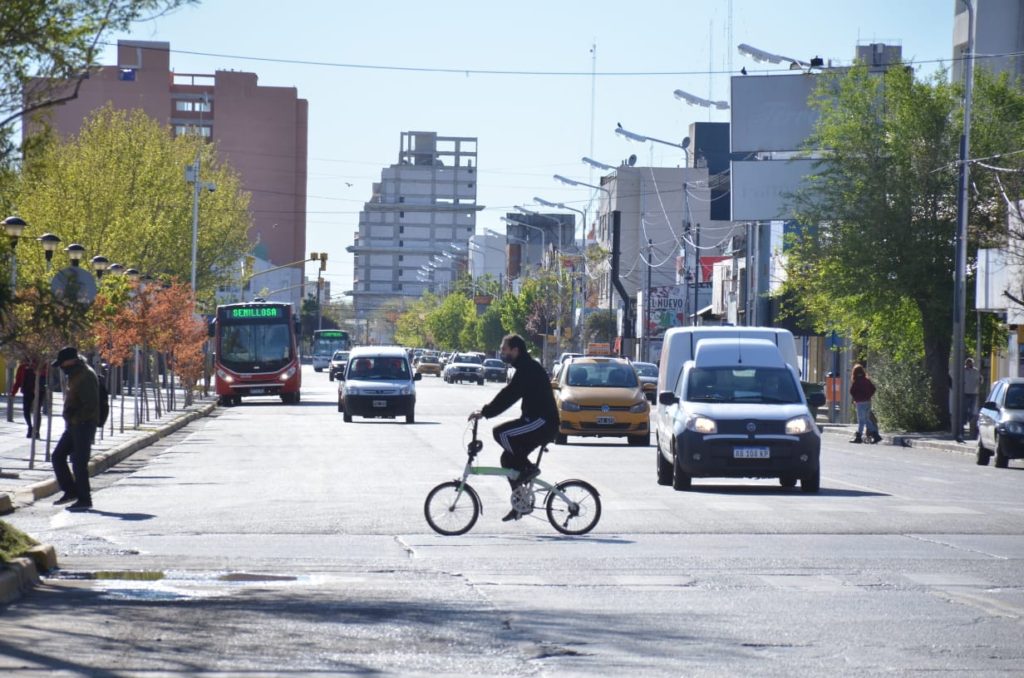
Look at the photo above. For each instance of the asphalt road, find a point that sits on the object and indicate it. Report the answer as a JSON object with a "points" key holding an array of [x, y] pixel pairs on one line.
{"points": [[291, 543]]}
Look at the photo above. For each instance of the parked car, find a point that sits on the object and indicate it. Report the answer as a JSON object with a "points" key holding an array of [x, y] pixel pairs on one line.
{"points": [[601, 397], [495, 370], [464, 367], [428, 364], [337, 364], [737, 411], [1001, 423], [648, 375], [378, 382]]}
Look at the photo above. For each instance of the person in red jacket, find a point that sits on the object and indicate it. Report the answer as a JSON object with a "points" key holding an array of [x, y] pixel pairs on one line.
{"points": [[25, 381], [862, 390]]}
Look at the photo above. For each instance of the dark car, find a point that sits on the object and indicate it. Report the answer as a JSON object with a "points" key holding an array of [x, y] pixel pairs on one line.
{"points": [[495, 370], [1001, 423]]}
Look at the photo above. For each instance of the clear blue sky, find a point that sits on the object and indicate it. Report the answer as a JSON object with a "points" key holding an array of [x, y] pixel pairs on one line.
{"points": [[529, 126]]}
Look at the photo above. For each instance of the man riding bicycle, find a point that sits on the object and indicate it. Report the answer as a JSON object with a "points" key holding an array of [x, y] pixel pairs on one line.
{"points": [[539, 421]]}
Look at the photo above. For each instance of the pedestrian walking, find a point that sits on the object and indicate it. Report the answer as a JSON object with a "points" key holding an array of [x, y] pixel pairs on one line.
{"points": [[81, 417], [972, 383], [862, 390], [25, 381]]}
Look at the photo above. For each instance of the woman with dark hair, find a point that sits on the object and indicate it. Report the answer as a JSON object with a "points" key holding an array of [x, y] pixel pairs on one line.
{"points": [[862, 390], [25, 381]]}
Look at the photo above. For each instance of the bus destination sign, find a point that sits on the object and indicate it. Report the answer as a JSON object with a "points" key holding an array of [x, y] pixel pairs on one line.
{"points": [[256, 312]]}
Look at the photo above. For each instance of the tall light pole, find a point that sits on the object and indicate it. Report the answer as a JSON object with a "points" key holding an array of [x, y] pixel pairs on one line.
{"points": [[543, 240], [13, 227], [963, 202], [684, 145]]}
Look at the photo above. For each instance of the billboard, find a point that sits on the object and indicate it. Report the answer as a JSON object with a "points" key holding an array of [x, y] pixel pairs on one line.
{"points": [[770, 112], [761, 188]]}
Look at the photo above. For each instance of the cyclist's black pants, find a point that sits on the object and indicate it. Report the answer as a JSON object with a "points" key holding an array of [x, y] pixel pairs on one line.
{"points": [[519, 437]]}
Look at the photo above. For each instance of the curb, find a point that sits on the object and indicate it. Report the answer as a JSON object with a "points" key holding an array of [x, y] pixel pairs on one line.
{"points": [[6, 506], [16, 578], [101, 462], [913, 441]]}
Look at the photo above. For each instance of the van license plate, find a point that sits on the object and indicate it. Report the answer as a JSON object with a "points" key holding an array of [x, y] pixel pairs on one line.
{"points": [[606, 420], [751, 453], [380, 403], [256, 391]]}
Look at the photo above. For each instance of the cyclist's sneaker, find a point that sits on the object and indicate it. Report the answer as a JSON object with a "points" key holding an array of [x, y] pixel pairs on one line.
{"points": [[512, 515]]}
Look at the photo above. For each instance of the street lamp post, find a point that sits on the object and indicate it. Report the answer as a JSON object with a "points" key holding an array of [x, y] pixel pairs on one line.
{"points": [[75, 253], [50, 243], [13, 227], [100, 265], [684, 145], [543, 239]]}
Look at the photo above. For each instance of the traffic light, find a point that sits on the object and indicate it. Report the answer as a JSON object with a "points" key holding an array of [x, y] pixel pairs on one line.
{"points": [[323, 261], [313, 256]]}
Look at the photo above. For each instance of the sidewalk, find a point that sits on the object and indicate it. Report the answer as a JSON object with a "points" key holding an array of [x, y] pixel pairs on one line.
{"points": [[943, 442], [38, 482]]}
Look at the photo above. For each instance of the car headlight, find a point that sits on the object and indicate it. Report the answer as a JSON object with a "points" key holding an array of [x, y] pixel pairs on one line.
{"points": [[699, 424], [288, 374], [570, 406], [799, 425], [1014, 427], [639, 407], [405, 390], [224, 376]]}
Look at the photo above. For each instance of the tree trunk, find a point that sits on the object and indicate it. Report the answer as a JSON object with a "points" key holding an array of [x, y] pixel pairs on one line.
{"points": [[936, 359]]}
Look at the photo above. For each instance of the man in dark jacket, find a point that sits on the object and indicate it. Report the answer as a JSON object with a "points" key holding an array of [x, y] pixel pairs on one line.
{"points": [[538, 422], [81, 417]]}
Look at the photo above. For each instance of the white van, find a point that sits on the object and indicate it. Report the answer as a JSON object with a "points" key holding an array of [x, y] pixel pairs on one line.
{"points": [[680, 345]]}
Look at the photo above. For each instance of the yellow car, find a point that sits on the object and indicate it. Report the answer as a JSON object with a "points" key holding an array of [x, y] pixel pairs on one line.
{"points": [[601, 397], [428, 365]]}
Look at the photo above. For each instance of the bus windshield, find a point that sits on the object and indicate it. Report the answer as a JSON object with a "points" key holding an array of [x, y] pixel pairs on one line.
{"points": [[263, 347], [326, 342]]}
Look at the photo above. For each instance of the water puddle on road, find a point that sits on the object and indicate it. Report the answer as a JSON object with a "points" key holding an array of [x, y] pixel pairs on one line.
{"points": [[161, 586]]}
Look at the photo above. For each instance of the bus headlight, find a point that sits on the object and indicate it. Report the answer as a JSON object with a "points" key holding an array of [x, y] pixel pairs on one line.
{"points": [[798, 426], [224, 376], [288, 374]]}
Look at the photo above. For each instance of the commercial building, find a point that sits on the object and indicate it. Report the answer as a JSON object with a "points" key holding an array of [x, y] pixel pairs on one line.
{"points": [[533, 238], [487, 257], [260, 131], [414, 231], [998, 30]]}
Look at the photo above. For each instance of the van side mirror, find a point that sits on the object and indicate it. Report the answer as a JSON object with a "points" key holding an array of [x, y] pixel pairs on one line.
{"points": [[418, 376], [667, 398], [211, 330], [816, 399], [340, 376], [990, 405], [554, 384]]}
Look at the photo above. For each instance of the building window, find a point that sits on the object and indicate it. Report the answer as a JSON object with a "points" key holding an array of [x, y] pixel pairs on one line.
{"points": [[470, 184], [126, 75], [401, 257], [401, 229], [204, 131], [401, 198], [188, 106], [401, 215]]}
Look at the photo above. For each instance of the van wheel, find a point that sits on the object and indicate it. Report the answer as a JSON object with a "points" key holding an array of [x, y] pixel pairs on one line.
{"points": [[341, 408], [347, 418], [664, 468], [811, 482], [681, 480], [410, 418], [1002, 461], [983, 454], [787, 481], [561, 439]]}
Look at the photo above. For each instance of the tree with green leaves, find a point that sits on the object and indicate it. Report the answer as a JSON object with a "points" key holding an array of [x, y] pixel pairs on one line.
{"points": [[447, 321], [46, 45], [117, 189], [876, 252]]}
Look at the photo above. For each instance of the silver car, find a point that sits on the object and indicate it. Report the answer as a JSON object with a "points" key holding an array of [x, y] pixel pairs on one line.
{"points": [[1001, 423]]}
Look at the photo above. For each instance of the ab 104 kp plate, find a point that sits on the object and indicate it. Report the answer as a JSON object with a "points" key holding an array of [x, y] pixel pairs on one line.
{"points": [[606, 420], [751, 453]]}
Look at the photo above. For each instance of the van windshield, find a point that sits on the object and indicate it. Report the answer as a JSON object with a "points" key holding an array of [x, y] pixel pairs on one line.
{"points": [[766, 385], [378, 367]]}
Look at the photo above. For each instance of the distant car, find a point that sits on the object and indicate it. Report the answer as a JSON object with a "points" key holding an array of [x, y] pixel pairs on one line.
{"points": [[648, 374], [337, 364], [464, 367], [428, 364], [495, 370], [1001, 423]]}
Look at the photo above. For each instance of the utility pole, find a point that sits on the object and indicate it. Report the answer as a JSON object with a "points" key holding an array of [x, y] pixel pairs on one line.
{"points": [[959, 286], [646, 326], [696, 272]]}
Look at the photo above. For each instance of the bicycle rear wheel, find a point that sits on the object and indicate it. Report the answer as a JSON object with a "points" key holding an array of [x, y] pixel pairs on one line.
{"points": [[450, 511], [581, 514]]}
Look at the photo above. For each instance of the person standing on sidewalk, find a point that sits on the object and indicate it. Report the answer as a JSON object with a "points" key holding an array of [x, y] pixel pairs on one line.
{"points": [[25, 381], [972, 383], [862, 390], [81, 417]]}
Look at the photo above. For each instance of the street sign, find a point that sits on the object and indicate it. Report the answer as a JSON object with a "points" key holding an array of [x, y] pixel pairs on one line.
{"points": [[598, 348], [74, 284]]}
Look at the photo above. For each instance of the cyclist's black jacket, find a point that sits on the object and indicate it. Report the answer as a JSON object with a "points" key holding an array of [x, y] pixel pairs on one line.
{"points": [[531, 383]]}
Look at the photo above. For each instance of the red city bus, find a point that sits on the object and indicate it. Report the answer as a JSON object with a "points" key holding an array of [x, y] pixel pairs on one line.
{"points": [[256, 352]]}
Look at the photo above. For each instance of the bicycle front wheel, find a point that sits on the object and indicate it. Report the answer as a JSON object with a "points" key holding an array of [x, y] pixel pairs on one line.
{"points": [[580, 514], [452, 508]]}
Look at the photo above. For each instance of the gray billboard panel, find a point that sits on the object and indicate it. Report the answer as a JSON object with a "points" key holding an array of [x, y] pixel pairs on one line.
{"points": [[770, 112], [761, 188]]}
